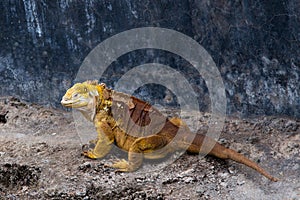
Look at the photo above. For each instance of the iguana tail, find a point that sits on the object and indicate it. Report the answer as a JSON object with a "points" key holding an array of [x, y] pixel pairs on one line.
{"points": [[222, 152]]}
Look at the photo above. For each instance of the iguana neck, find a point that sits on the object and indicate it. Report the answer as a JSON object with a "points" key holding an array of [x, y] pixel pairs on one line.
{"points": [[100, 101], [104, 102], [88, 115]]}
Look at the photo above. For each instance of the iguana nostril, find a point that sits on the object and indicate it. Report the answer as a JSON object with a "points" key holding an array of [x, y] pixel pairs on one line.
{"points": [[65, 98]]}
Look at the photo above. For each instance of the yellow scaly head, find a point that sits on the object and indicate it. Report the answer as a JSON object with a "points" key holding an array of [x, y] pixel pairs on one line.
{"points": [[84, 97]]}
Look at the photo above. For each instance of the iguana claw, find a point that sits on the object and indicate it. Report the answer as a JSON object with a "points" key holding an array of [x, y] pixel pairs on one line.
{"points": [[87, 150], [89, 154], [88, 147]]}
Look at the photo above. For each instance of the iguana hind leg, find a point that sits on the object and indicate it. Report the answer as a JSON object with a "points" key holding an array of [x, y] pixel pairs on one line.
{"points": [[138, 149]]}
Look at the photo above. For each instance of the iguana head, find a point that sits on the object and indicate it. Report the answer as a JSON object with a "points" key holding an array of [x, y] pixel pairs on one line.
{"points": [[84, 97]]}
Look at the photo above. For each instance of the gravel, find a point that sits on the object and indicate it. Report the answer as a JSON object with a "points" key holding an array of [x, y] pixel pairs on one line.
{"points": [[37, 164]]}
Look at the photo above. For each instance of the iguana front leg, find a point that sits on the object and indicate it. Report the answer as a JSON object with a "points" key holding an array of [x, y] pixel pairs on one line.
{"points": [[140, 147], [96, 149], [101, 146]]}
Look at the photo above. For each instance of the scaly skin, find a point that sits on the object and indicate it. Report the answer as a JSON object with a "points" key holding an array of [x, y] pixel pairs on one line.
{"points": [[135, 126]]}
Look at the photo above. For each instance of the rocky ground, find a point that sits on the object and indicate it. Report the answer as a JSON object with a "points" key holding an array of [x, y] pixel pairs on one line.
{"points": [[40, 158]]}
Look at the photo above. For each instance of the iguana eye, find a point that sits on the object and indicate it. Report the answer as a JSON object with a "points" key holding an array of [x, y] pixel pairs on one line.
{"points": [[75, 95]]}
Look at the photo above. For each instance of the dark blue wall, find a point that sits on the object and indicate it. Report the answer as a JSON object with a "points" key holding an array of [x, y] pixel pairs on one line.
{"points": [[255, 44]]}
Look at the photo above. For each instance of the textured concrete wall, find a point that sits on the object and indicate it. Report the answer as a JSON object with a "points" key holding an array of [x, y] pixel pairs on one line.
{"points": [[255, 44]]}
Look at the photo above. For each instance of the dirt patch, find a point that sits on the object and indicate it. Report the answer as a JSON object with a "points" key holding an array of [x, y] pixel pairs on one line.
{"points": [[40, 158], [14, 176]]}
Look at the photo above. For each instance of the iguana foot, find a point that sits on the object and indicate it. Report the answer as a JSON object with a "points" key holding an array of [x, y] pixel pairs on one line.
{"points": [[90, 154], [96, 149], [120, 165], [87, 150]]}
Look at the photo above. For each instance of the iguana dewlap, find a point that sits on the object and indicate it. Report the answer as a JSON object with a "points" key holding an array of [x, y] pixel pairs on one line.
{"points": [[133, 125]]}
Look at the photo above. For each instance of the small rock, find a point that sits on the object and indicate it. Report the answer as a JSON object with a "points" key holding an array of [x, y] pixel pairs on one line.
{"points": [[85, 166], [200, 191], [50, 191], [253, 139], [11, 196], [188, 179], [291, 125], [240, 182], [73, 178], [223, 141], [185, 173], [159, 198], [169, 181], [140, 179], [231, 170], [224, 184], [223, 175], [96, 178], [24, 188], [296, 167], [81, 193], [2, 153]]}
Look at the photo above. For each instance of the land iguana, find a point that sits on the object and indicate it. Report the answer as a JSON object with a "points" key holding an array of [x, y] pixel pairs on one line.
{"points": [[133, 126]]}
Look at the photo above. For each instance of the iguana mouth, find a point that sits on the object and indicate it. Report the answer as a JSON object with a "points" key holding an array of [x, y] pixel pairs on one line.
{"points": [[73, 103], [68, 103]]}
